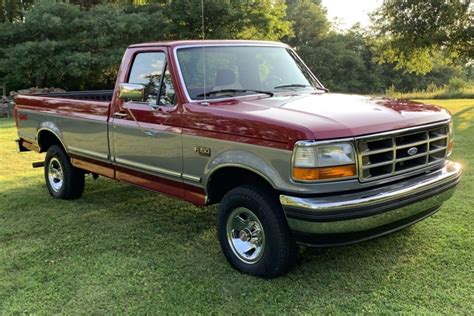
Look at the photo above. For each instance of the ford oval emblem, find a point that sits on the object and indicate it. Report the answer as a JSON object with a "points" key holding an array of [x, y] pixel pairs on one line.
{"points": [[412, 151]]}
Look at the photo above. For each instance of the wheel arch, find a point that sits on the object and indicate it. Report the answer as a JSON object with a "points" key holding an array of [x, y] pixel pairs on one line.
{"points": [[47, 137], [227, 177]]}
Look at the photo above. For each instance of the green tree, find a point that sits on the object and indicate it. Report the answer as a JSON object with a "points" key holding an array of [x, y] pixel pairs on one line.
{"points": [[12, 10], [80, 47], [226, 19], [86, 4], [410, 32], [309, 21], [60, 45], [342, 62]]}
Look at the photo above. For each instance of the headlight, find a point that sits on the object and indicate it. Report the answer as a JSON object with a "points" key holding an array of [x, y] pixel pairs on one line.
{"points": [[313, 161], [450, 138]]}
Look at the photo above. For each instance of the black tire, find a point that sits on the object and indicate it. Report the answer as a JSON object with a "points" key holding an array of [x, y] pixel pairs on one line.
{"points": [[279, 247], [72, 184]]}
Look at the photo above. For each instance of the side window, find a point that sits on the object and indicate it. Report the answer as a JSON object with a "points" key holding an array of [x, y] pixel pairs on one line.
{"points": [[167, 95], [147, 69]]}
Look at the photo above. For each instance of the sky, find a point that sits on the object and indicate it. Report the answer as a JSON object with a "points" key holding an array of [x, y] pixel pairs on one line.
{"points": [[349, 12]]}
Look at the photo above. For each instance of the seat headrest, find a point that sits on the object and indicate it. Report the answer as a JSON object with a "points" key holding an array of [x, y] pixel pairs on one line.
{"points": [[225, 77]]}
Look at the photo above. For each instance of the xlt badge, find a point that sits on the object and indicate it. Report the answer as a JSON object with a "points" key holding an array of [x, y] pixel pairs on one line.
{"points": [[203, 151]]}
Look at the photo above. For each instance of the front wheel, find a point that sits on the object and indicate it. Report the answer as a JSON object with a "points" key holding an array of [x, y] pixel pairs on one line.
{"points": [[63, 180], [253, 232]]}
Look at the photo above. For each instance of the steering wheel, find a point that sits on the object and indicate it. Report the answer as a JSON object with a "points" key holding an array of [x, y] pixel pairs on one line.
{"points": [[272, 81]]}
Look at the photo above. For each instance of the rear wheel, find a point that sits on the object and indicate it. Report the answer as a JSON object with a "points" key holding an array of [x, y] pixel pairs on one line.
{"points": [[253, 232], [63, 180]]}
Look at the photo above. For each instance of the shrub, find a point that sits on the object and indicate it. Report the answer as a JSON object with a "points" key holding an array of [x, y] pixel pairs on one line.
{"points": [[456, 85], [432, 87]]}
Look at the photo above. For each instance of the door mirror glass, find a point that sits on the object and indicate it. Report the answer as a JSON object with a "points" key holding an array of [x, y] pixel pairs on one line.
{"points": [[132, 92]]}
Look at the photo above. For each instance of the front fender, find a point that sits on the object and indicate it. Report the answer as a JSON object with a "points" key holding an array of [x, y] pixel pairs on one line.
{"points": [[245, 160]]}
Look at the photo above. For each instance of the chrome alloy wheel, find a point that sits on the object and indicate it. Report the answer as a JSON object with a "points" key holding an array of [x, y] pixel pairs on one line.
{"points": [[55, 174], [245, 235]]}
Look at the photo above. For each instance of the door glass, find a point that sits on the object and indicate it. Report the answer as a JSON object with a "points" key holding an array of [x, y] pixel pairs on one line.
{"points": [[147, 69]]}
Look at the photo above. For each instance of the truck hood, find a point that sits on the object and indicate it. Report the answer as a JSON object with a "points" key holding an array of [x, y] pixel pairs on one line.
{"points": [[331, 115]]}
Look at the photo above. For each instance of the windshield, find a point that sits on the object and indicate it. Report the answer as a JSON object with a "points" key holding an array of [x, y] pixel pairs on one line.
{"points": [[213, 72]]}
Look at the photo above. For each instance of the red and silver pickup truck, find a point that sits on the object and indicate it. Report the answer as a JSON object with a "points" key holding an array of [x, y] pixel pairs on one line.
{"points": [[246, 125]]}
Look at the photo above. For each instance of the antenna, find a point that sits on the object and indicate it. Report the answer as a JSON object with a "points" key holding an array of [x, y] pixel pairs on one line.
{"points": [[203, 37], [203, 32]]}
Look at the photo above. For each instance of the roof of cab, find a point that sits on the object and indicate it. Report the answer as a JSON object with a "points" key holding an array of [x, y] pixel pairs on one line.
{"points": [[207, 42]]}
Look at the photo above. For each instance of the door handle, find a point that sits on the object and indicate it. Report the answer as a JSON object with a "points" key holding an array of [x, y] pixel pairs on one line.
{"points": [[152, 133], [120, 114]]}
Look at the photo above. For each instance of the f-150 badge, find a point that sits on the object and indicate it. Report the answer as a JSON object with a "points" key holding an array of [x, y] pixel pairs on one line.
{"points": [[203, 151]]}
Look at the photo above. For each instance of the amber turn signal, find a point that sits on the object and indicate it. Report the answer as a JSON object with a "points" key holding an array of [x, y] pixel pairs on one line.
{"points": [[311, 174], [450, 147]]}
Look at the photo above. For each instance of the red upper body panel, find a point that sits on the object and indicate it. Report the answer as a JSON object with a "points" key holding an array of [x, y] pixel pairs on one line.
{"points": [[289, 117], [318, 116], [277, 121]]}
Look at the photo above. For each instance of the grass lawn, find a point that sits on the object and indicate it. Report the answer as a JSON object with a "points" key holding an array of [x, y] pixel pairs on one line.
{"points": [[120, 248]]}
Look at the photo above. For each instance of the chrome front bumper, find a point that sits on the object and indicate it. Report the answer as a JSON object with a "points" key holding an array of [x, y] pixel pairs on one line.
{"points": [[370, 213]]}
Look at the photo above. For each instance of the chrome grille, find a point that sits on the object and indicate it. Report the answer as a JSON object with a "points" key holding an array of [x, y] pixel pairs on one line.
{"points": [[390, 154]]}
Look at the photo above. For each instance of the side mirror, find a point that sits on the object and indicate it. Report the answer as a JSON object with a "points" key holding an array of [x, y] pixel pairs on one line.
{"points": [[131, 92]]}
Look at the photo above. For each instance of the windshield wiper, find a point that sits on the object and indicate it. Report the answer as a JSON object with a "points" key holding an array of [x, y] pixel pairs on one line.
{"points": [[292, 85], [208, 94], [299, 85]]}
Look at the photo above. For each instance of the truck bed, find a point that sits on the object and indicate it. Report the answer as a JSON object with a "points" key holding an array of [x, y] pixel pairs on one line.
{"points": [[79, 119], [92, 95]]}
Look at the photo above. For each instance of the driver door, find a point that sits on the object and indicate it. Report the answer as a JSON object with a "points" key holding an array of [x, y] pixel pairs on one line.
{"points": [[146, 137]]}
